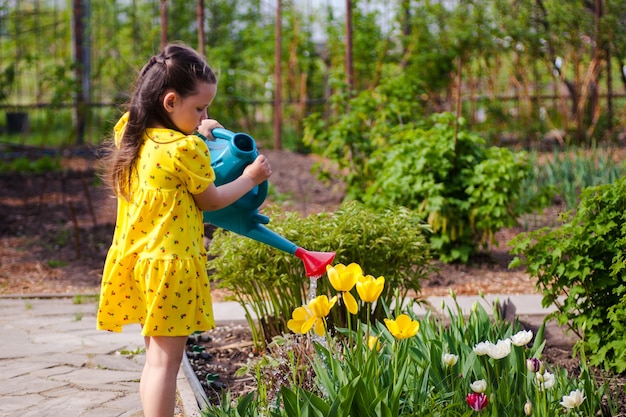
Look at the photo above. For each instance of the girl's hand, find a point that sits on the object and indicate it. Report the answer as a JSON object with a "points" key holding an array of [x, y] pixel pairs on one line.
{"points": [[259, 170], [206, 126], [215, 198]]}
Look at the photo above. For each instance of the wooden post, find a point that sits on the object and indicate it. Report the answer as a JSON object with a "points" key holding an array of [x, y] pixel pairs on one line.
{"points": [[349, 66], [82, 54], [459, 111], [200, 9], [609, 78], [278, 114], [163, 23]]}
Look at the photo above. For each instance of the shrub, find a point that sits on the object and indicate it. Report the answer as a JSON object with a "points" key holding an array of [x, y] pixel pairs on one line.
{"points": [[359, 126], [464, 189], [269, 283], [581, 269], [387, 156]]}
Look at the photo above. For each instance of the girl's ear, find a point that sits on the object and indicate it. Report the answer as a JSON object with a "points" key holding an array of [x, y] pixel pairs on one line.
{"points": [[169, 99]]}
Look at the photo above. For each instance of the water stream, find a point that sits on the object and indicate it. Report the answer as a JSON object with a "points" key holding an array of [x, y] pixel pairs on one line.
{"points": [[313, 286]]}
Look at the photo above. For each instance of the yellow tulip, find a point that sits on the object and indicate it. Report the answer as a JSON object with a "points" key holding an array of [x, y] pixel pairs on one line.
{"points": [[343, 278], [369, 289], [402, 327], [299, 317], [311, 316], [320, 308], [373, 343]]}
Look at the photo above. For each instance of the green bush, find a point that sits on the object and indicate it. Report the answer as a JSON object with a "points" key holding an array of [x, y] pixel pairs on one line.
{"points": [[464, 189], [359, 126], [388, 155], [580, 267], [269, 283]]}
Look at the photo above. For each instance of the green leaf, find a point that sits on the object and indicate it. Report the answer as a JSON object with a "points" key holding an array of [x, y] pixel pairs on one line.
{"points": [[343, 403]]}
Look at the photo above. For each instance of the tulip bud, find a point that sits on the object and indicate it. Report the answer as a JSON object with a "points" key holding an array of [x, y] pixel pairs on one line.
{"points": [[452, 293], [533, 364], [528, 408], [373, 343]]}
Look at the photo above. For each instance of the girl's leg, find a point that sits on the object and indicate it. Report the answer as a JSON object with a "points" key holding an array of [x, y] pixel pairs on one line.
{"points": [[158, 379]]}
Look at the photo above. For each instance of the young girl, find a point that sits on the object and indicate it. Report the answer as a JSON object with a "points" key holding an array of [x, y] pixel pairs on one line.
{"points": [[155, 271]]}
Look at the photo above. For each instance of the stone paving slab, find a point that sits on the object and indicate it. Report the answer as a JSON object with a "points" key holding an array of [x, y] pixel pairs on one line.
{"points": [[53, 362]]}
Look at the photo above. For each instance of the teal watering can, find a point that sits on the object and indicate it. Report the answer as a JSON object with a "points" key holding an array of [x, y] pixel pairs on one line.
{"points": [[230, 153]]}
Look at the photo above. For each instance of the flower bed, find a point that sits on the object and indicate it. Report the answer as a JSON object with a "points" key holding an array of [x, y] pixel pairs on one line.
{"points": [[452, 365]]}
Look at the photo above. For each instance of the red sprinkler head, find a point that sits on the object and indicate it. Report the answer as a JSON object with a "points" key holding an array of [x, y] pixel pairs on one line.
{"points": [[315, 262]]}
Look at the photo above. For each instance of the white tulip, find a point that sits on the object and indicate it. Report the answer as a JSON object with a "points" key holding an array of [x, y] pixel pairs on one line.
{"points": [[522, 338], [574, 399], [501, 349], [479, 386], [449, 359], [483, 348], [548, 380]]}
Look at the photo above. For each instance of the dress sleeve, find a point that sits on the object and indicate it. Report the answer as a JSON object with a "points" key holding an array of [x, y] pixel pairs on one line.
{"points": [[193, 164]]}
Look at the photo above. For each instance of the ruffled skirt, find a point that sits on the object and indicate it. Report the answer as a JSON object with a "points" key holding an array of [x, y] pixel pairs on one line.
{"points": [[168, 297]]}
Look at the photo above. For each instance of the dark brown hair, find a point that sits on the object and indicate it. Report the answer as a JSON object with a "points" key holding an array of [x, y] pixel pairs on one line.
{"points": [[178, 68]]}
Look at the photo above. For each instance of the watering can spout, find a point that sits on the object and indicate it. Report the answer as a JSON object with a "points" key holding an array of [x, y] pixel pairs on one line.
{"points": [[230, 154], [315, 262]]}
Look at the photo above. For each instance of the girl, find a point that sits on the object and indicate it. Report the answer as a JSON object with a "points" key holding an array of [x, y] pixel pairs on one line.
{"points": [[155, 271]]}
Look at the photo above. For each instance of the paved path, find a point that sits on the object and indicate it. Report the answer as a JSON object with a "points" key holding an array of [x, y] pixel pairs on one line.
{"points": [[53, 361]]}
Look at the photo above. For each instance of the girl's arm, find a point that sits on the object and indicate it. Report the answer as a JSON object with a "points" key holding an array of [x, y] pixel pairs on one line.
{"points": [[215, 198]]}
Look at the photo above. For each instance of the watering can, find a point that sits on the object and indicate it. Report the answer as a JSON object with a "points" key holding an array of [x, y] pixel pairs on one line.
{"points": [[230, 153]]}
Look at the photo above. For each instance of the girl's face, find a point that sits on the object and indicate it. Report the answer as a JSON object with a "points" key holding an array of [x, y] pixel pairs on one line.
{"points": [[187, 113]]}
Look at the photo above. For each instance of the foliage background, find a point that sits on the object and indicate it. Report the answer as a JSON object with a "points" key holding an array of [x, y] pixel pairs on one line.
{"points": [[516, 70]]}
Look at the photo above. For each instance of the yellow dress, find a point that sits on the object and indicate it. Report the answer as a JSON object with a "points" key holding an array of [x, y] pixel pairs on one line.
{"points": [[155, 271]]}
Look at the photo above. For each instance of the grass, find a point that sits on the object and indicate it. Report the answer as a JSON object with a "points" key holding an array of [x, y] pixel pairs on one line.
{"points": [[137, 351], [53, 263], [85, 298]]}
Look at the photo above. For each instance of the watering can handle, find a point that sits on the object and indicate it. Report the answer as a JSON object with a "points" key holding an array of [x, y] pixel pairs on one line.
{"points": [[243, 146]]}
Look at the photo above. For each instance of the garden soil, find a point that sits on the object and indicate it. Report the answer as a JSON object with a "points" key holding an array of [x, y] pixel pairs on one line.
{"points": [[55, 229]]}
